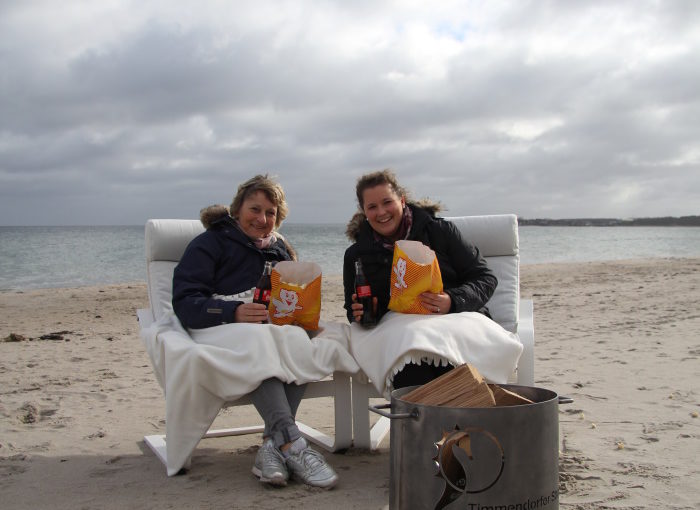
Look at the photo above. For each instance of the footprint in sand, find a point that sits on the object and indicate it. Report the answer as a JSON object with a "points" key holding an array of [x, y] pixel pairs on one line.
{"points": [[650, 428], [13, 468], [28, 413], [107, 374], [47, 413], [644, 470], [574, 469]]}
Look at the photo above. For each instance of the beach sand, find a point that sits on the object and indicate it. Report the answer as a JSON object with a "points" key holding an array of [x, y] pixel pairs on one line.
{"points": [[620, 338]]}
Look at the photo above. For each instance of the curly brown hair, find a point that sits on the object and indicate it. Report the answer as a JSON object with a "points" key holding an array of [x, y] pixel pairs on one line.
{"points": [[378, 178]]}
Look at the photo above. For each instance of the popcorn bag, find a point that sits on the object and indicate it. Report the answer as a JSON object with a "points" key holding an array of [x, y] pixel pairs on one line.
{"points": [[296, 294], [414, 270]]}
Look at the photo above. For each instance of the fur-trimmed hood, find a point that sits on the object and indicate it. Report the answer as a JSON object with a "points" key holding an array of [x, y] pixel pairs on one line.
{"points": [[211, 214], [352, 231]]}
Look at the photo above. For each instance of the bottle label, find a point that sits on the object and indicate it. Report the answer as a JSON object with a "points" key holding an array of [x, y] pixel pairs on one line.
{"points": [[364, 291], [266, 294]]}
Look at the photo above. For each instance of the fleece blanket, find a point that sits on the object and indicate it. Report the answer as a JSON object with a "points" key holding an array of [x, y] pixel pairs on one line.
{"points": [[455, 338], [200, 370]]}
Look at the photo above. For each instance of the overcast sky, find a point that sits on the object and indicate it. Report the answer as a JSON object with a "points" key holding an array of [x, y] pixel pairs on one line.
{"points": [[113, 112]]}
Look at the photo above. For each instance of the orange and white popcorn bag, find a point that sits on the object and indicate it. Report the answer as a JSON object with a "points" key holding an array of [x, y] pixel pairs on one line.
{"points": [[414, 270], [296, 294]]}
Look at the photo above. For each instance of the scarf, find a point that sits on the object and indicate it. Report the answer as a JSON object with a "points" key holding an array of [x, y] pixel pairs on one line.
{"points": [[404, 230], [260, 242]]}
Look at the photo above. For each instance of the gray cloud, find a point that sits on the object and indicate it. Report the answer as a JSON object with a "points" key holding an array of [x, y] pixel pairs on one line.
{"points": [[116, 114]]}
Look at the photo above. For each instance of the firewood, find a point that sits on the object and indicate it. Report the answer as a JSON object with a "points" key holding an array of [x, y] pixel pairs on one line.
{"points": [[506, 397], [462, 387]]}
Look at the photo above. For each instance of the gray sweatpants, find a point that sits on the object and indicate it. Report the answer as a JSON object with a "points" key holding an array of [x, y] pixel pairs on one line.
{"points": [[277, 403]]}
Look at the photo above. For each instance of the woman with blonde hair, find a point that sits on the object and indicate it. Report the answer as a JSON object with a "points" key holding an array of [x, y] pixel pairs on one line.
{"points": [[223, 262]]}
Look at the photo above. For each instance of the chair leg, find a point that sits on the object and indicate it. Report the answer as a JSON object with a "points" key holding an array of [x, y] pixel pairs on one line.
{"points": [[343, 411], [364, 435], [156, 443], [343, 418]]}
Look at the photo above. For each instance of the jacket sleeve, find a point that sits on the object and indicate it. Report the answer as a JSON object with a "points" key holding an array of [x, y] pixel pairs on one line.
{"points": [[193, 287], [477, 282]]}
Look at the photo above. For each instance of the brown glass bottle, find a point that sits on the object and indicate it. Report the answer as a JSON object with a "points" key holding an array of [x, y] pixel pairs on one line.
{"points": [[364, 296], [263, 290]]}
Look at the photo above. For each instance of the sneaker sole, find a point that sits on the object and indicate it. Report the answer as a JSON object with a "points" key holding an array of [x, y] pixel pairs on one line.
{"points": [[277, 482], [326, 484]]}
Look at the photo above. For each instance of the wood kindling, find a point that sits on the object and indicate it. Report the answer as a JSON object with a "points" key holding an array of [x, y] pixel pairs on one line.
{"points": [[463, 386]]}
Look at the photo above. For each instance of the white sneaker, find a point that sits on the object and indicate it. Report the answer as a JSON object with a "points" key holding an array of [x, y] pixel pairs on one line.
{"points": [[309, 466], [269, 465]]}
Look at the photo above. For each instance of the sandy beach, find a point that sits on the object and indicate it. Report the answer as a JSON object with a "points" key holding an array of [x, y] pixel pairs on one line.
{"points": [[620, 338]]}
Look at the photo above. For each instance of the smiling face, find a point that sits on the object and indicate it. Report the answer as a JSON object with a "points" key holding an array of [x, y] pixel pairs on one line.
{"points": [[383, 208], [257, 215]]}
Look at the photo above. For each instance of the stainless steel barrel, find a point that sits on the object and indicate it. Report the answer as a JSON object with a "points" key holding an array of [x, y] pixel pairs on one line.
{"points": [[503, 457]]}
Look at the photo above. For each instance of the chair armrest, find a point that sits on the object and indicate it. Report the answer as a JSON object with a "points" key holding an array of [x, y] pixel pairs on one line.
{"points": [[526, 332]]}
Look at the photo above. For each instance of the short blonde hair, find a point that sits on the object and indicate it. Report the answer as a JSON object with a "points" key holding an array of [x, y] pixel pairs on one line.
{"points": [[273, 191]]}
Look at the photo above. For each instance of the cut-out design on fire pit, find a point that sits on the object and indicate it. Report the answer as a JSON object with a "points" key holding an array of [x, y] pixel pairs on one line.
{"points": [[468, 462]]}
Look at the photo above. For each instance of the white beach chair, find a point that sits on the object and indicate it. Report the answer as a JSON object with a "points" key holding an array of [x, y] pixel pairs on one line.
{"points": [[496, 236], [166, 240]]}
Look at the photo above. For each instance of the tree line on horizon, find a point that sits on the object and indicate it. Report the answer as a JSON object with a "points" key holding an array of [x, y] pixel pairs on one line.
{"points": [[663, 221]]}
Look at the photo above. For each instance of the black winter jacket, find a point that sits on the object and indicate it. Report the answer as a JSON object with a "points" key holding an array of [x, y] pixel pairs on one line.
{"points": [[465, 275], [221, 261]]}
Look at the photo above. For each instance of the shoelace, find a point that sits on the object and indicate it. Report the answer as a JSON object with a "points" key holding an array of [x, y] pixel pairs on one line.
{"points": [[311, 458], [269, 455]]}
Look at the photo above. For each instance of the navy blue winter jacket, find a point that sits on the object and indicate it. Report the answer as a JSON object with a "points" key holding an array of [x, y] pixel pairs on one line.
{"points": [[221, 261]]}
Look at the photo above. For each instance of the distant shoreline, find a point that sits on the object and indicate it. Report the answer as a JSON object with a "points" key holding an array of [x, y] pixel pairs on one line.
{"points": [[666, 221]]}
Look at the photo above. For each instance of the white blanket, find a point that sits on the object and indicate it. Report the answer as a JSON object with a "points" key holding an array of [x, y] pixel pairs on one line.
{"points": [[202, 370], [455, 338]]}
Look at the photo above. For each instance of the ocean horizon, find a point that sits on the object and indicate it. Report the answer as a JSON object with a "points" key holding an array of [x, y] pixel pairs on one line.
{"points": [[73, 256]]}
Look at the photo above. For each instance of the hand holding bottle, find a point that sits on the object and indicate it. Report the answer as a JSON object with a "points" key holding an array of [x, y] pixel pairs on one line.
{"points": [[251, 312], [358, 309], [364, 307], [263, 290], [261, 299]]}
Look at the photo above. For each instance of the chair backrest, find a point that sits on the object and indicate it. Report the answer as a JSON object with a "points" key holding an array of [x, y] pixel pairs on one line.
{"points": [[166, 241], [496, 236]]}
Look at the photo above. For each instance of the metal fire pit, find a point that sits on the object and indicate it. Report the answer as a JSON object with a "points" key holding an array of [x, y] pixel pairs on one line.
{"points": [[492, 458]]}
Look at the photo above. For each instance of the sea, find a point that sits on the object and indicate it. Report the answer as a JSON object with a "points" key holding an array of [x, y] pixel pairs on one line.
{"points": [[49, 257]]}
